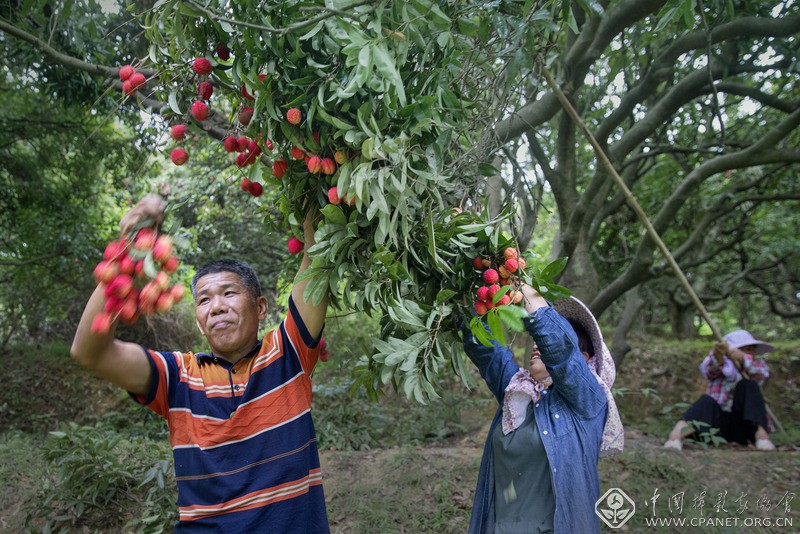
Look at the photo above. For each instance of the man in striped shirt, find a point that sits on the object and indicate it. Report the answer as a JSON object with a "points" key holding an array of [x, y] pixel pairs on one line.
{"points": [[239, 418]]}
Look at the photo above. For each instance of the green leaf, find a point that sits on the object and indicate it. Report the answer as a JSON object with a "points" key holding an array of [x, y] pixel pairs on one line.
{"points": [[173, 103], [554, 268], [444, 295], [334, 214], [496, 326], [150, 268]]}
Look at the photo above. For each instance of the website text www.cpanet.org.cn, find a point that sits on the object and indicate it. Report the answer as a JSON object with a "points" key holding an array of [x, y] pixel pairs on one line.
{"points": [[703, 509]]}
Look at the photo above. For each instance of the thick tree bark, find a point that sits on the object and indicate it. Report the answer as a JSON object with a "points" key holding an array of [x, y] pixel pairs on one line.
{"points": [[629, 318]]}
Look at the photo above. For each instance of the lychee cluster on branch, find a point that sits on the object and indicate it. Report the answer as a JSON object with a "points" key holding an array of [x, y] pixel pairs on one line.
{"points": [[135, 274], [501, 275]]}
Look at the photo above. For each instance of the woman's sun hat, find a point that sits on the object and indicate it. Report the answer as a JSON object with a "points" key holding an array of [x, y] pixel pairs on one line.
{"points": [[742, 338], [602, 366]]}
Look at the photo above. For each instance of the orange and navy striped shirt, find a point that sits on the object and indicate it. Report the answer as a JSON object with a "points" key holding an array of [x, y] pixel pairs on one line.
{"points": [[244, 444]]}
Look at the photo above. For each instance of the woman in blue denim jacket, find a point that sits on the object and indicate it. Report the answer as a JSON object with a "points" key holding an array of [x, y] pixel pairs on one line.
{"points": [[538, 472]]}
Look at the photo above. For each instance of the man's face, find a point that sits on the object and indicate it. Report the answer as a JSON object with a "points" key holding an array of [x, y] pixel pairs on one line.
{"points": [[227, 314]]}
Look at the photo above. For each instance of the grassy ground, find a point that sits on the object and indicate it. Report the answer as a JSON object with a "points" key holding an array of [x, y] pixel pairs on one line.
{"points": [[392, 466]]}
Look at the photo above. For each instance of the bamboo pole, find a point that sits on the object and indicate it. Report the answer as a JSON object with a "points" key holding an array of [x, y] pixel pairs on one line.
{"points": [[601, 155]]}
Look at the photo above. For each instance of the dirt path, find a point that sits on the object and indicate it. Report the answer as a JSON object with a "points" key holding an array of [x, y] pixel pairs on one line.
{"points": [[429, 489]]}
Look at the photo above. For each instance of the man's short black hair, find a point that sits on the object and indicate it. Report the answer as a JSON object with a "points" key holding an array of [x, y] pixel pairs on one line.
{"points": [[240, 268]]}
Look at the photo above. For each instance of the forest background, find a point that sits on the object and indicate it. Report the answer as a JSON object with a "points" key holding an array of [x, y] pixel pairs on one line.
{"points": [[695, 103]]}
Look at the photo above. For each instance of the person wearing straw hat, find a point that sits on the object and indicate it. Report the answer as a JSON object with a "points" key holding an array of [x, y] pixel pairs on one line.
{"points": [[554, 421], [732, 404]]}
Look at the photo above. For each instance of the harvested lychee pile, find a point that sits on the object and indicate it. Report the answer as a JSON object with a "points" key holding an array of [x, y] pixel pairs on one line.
{"points": [[501, 276], [135, 272]]}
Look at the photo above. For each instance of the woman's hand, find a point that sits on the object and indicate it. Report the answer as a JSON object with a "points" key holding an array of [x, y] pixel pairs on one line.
{"points": [[532, 299]]}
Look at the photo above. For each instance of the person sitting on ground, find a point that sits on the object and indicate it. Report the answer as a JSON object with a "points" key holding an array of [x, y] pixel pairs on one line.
{"points": [[239, 418], [733, 404], [554, 420]]}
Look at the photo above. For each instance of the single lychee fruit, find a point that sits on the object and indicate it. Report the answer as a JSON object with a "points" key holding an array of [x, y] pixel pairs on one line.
{"points": [[503, 272], [222, 52], [297, 152], [113, 249], [164, 302], [350, 199], [177, 292], [148, 297], [244, 185], [510, 252], [127, 88], [113, 304], [200, 110], [490, 276], [481, 307], [137, 80], [253, 147], [101, 324], [339, 157], [128, 310], [178, 132], [179, 156], [126, 71], [504, 300], [162, 249], [294, 245], [521, 263], [171, 265], [205, 90], [119, 286], [493, 289], [511, 264], [202, 66], [245, 116], [333, 196], [477, 262], [314, 164], [482, 293], [161, 280], [249, 157], [127, 265], [230, 144], [138, 272], [294, 116], [106, 271], [256, 189], [323, 350], [279, 168], [328, 166], [242, 143], [145, 239]]}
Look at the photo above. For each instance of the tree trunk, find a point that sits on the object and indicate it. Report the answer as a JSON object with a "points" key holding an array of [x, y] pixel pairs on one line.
{"points": [[630, 314], [681, 319]]}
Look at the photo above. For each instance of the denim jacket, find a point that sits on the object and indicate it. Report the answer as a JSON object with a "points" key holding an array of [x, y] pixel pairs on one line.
{"points": [[569, 417]]}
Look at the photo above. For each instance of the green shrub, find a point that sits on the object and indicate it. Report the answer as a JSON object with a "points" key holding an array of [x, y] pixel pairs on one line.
{"points": [[99, 471]]}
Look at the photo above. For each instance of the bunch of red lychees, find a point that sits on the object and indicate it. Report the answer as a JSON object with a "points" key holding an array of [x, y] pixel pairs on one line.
{"points": [[501, 277], [135, 272]]}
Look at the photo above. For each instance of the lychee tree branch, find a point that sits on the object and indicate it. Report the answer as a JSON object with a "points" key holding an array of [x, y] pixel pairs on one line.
{"points": [[292, 27]]}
